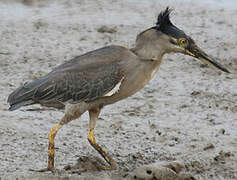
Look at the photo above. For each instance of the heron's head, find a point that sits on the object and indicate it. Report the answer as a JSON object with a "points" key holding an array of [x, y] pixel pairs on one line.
{"points": [[167, 38]]}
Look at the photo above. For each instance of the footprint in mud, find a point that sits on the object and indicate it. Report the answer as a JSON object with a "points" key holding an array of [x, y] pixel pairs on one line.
{"points": [[168, 171], [85, 164]]}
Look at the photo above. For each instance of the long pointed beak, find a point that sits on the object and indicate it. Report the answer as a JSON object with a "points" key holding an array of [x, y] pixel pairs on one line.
{"points": [[199, 54]]}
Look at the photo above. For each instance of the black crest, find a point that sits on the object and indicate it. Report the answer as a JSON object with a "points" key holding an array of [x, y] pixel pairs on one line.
{"points": [[164, 24], [163, 20]]}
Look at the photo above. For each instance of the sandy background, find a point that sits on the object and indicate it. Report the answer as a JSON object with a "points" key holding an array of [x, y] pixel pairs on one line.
{"points": [[187, 113]]}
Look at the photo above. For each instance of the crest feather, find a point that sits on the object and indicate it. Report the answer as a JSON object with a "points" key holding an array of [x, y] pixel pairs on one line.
{"points": [[163, 20]]}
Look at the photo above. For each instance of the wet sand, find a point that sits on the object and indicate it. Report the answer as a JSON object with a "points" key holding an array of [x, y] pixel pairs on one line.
{"points": [[187, 113]]}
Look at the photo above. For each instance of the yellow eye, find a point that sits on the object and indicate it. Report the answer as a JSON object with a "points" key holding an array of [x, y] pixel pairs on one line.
{"points": [[183, 42]]}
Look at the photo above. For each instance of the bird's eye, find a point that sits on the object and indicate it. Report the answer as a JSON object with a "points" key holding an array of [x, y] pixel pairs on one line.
{"points": [[183, 42]]}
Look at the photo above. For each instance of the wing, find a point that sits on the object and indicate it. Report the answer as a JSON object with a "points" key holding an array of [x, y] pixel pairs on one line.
{"points": [[84, 78], [76, 86]]}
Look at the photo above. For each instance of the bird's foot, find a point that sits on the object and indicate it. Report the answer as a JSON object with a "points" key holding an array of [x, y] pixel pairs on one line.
{"points": [[106, 168], [113, 165], [52, 169], [111, 162], [85, 163]]}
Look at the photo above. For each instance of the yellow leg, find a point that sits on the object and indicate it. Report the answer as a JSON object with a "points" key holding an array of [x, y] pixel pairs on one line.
{"points": [[91, 138], [51, 151], [53, 131]]}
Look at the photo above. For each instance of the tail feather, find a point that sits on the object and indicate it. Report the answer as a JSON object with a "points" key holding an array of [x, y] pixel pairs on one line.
{"points": [[18, 105], [24, 95]]}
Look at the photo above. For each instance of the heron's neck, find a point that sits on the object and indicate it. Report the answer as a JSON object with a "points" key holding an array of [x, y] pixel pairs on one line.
{"points": [[150, 44], [147, 48], [146, 52]]}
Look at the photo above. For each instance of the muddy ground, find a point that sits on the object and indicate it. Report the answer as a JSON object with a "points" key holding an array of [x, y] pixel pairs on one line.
{"points": [[187, 113]]}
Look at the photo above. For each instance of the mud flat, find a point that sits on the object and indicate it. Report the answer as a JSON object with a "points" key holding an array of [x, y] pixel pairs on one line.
{"points": [[186, 114]]}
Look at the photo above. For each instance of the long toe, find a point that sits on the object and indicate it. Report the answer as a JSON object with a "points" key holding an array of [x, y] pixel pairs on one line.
{"points": [[113, 166], [105, 167], [53, 170], [40, 170]]}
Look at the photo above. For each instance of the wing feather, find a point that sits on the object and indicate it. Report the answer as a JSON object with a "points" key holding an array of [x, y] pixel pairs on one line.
{"points": [[84, 78], [73, 86]]}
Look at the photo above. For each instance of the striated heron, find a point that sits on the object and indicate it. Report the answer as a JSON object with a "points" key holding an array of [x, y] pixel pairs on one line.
{"points": [[105, 76]]}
